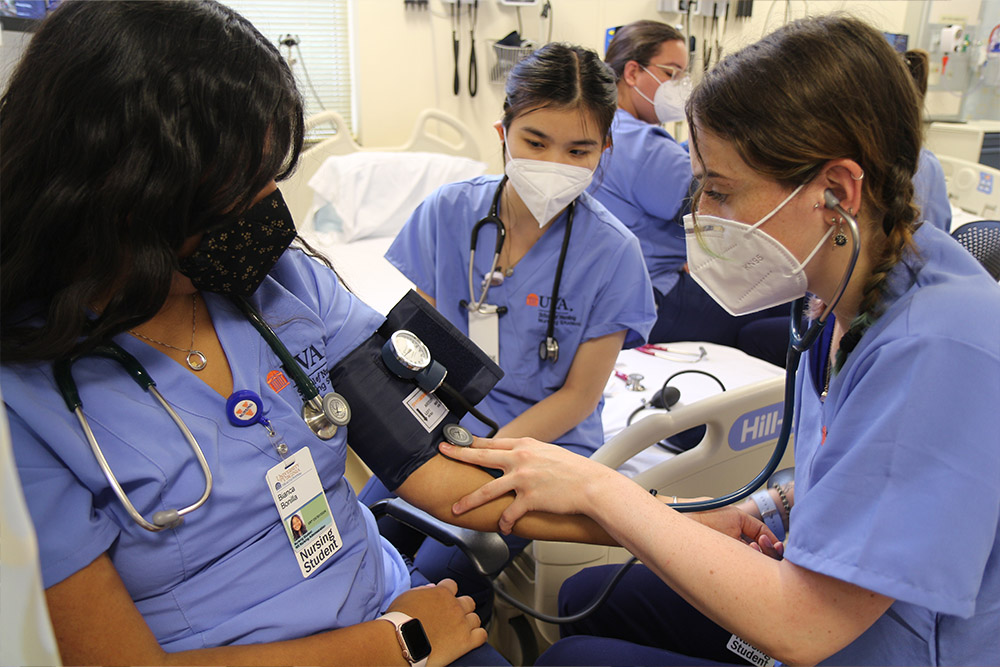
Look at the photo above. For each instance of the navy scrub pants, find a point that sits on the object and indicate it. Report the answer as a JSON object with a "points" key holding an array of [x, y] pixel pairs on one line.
{"points": [[643, 622]]}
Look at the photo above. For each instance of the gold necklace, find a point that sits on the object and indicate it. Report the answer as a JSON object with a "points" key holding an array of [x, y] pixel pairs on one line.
{"points": [[196, 361], [826, 382]]}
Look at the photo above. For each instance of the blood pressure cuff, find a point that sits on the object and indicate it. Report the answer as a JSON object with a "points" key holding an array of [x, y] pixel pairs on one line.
{"points": [[394, 428]]}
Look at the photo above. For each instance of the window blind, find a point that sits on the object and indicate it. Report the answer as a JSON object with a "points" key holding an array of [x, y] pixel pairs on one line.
{"points": [[321, 61]]}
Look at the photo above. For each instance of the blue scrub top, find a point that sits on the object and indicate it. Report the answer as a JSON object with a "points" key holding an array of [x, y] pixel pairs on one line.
{"points": [[897, 477], [930, 191], [643, 179], [228, 574], [604, 289]]}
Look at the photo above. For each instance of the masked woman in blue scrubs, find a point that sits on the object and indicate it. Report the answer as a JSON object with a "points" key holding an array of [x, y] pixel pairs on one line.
{"points": [[645, 180], [141, 144], [558, 110], [894, 533], [557, 115]]}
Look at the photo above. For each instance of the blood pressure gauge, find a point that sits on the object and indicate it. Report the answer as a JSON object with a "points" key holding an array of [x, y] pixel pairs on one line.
{"points": [[409, 351], [407, 357]]}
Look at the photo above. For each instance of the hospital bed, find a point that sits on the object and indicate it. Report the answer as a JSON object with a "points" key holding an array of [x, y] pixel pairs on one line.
{"points": [[349, 201], [356, 237]]}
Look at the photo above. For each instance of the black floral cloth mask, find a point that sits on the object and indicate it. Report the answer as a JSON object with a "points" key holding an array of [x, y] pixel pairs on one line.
{"points": [[235, 257]]}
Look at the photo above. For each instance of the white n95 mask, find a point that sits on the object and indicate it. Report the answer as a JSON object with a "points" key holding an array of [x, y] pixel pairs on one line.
{"points": [[669, 99], [546, 187], [743, 268]]}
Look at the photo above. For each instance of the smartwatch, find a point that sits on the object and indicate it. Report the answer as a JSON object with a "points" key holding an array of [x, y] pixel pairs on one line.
{"points": [[412, 638]]}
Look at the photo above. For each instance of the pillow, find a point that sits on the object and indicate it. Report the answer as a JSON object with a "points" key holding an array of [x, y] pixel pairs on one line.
{"points": [[372, 193]]}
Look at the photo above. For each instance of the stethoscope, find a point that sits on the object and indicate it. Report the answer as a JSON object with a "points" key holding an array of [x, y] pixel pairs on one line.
{"points": [[798, 343], [323, 415], [548, 349]]}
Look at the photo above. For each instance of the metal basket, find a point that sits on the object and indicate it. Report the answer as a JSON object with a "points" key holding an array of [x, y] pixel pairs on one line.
{"points": [[504, 59]]}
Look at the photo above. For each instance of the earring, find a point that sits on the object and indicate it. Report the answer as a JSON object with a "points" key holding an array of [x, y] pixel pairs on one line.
{"points": [[840, 239], [858, 178], [816, 205]]}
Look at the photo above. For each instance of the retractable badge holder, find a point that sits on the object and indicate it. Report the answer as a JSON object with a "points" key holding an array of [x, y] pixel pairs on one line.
{"points": [[245, 408]]}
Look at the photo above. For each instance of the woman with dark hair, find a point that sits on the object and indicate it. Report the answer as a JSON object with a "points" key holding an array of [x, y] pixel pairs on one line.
{"points": [[893, 543], [567, 270], [645, 180], [141, 143], [298, 528], [558, 110]]}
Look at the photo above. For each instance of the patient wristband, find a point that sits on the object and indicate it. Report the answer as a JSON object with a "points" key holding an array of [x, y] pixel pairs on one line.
{"points": [[769, 513]]}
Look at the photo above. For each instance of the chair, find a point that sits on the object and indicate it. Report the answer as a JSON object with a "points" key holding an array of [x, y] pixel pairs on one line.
{"points": [[982, 239], [742, 426]]}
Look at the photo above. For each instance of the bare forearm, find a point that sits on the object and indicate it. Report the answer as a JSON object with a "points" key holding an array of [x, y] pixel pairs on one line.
{"points": [[790, 613], [435, 486], [553, 416], [371, 643], [96, 623]]}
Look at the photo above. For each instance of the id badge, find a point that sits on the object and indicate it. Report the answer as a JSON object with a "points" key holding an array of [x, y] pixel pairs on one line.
{"points": [[484, 330], [304, 511]]}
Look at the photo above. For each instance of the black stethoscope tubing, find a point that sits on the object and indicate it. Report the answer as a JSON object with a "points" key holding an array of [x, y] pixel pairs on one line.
{"points": [[549, 348]]}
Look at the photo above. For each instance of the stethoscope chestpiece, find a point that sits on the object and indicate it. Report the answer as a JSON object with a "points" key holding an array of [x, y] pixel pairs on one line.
{"points": [[548, 349], [457, 435]]}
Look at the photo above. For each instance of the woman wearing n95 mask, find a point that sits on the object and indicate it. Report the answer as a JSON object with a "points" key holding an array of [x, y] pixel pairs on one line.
{"points": [[557, 114], [894, 524], [645, 180]]}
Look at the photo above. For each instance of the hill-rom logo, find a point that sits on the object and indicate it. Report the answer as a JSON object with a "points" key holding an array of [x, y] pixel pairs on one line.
{"points": [[755, 427]]}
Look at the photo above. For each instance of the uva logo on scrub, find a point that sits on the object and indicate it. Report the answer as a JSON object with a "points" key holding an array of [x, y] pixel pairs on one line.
{"points": [[537, 301]]}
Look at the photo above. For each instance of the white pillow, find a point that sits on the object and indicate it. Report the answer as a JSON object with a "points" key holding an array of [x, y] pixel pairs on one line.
{"points": [[372, 193]]}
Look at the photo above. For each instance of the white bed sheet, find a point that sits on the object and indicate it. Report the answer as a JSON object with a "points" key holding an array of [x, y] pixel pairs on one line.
{"points": [[364, 269]]}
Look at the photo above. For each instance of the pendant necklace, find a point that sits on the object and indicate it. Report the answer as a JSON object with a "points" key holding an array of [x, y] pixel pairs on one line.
{"points": [[196, 361]]}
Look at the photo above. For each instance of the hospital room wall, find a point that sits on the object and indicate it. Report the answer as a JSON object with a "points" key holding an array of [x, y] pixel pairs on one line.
{"points": [[405, 63]]}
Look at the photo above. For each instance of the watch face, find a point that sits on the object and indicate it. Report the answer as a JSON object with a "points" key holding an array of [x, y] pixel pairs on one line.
{"points": [[416, 640], [410, 350]]}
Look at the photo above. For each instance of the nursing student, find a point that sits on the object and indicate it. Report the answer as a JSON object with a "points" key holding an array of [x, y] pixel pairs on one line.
{"points": [[568, 270], [645, 179], [557, 116], [141, 144], [893, 543]]}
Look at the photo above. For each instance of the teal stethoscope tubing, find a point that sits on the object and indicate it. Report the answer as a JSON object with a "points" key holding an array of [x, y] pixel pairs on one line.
{"points": [[312, 412]]}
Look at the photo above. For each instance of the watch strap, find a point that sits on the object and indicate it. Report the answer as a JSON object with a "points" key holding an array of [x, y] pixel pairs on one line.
{"points": [[769, 513], [398, 618]]}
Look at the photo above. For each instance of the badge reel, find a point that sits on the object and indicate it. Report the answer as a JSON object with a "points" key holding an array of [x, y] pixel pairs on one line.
{"points": [[245, 408]]}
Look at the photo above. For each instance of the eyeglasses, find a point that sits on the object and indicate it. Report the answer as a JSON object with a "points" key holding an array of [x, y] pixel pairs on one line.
{"points": [[674, 73]]}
